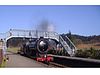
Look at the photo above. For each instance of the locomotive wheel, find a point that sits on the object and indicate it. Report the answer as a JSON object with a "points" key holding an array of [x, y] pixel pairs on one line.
{"points": [[28, 52]]}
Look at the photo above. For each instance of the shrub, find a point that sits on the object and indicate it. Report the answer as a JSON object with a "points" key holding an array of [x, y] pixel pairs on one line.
{"points": [[91, 53]]}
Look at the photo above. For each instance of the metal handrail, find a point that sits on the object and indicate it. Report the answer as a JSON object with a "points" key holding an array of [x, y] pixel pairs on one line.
{"points": [[34, 33], [71, 43], [68, 48]]}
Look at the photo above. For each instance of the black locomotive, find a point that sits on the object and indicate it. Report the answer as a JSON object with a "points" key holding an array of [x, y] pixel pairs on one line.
{"points": [[38, 48]]}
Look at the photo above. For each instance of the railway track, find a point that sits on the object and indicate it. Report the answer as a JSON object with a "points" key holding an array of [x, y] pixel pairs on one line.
{"points": [[51, 64], [57, 65]]}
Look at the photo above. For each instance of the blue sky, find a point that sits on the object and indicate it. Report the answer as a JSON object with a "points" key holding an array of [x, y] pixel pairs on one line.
{"points": [[82, 20]]}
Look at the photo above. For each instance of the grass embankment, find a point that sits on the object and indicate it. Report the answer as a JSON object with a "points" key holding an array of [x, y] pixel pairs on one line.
{"points": [[13, 49], [88, 46]]}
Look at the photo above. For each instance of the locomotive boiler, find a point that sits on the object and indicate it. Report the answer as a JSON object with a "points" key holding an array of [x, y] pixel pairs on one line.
{"points": [[38, 48]]}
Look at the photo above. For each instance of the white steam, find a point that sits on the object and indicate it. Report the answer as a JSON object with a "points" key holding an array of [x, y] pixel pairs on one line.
{"points": [[50, 28]]}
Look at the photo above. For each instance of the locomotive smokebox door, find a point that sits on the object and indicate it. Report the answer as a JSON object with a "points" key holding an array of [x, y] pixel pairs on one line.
{"points": [[42, 45]]}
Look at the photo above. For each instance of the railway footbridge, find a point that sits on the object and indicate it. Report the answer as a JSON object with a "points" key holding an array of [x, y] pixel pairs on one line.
{"points": [[63, 40]]}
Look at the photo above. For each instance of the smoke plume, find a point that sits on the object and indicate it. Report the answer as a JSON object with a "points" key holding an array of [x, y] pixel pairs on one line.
{"points": [[45, 26]]}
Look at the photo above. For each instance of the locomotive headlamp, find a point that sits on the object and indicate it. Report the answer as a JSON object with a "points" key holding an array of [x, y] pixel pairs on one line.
{"points": [[42, 43]]}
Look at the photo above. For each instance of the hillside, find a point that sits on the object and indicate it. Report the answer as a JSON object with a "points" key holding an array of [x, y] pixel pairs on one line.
{"points": [[85, 42]]}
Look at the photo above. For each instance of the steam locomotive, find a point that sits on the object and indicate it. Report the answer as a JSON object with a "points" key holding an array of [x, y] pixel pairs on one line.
{"points": [[38, 48]]}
